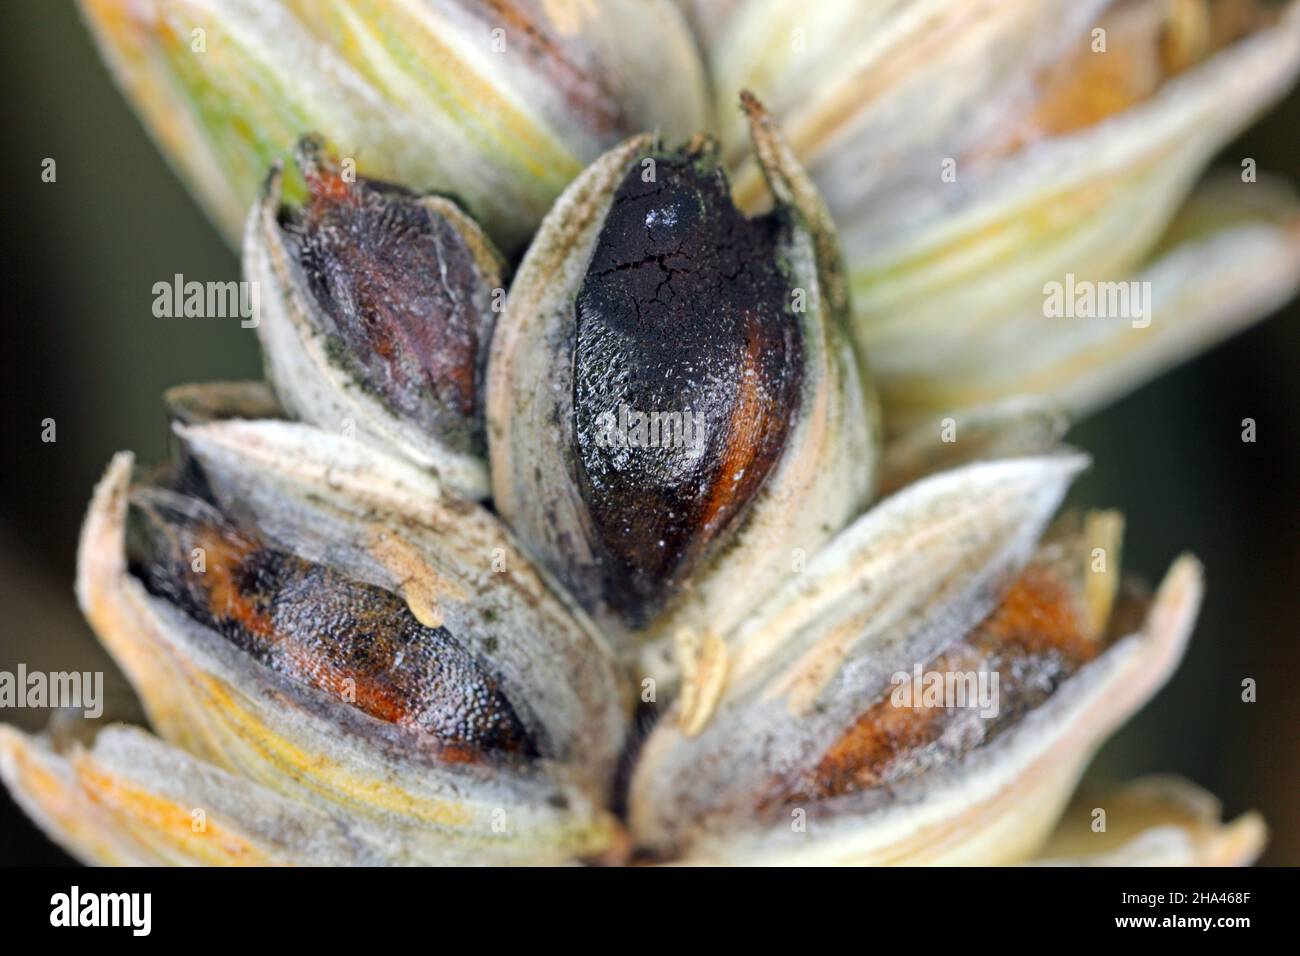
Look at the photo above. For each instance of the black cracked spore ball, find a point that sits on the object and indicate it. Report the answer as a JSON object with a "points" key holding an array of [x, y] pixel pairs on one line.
{"points": [[687, 368]]}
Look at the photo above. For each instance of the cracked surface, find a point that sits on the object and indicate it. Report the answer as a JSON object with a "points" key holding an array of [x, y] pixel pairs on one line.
{"points": [[683, 319]]}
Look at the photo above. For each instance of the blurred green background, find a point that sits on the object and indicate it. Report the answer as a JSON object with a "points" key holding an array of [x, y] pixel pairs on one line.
{"points": [[81, 346]]}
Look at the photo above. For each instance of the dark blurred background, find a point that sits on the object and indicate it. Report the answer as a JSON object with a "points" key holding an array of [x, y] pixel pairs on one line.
{"points": [[81, 346]]}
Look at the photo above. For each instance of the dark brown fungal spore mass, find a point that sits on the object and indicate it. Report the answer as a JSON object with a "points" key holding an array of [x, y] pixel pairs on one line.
{"points": [[354, 641], [1034, 641], [405, 302], [683, 318]]}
